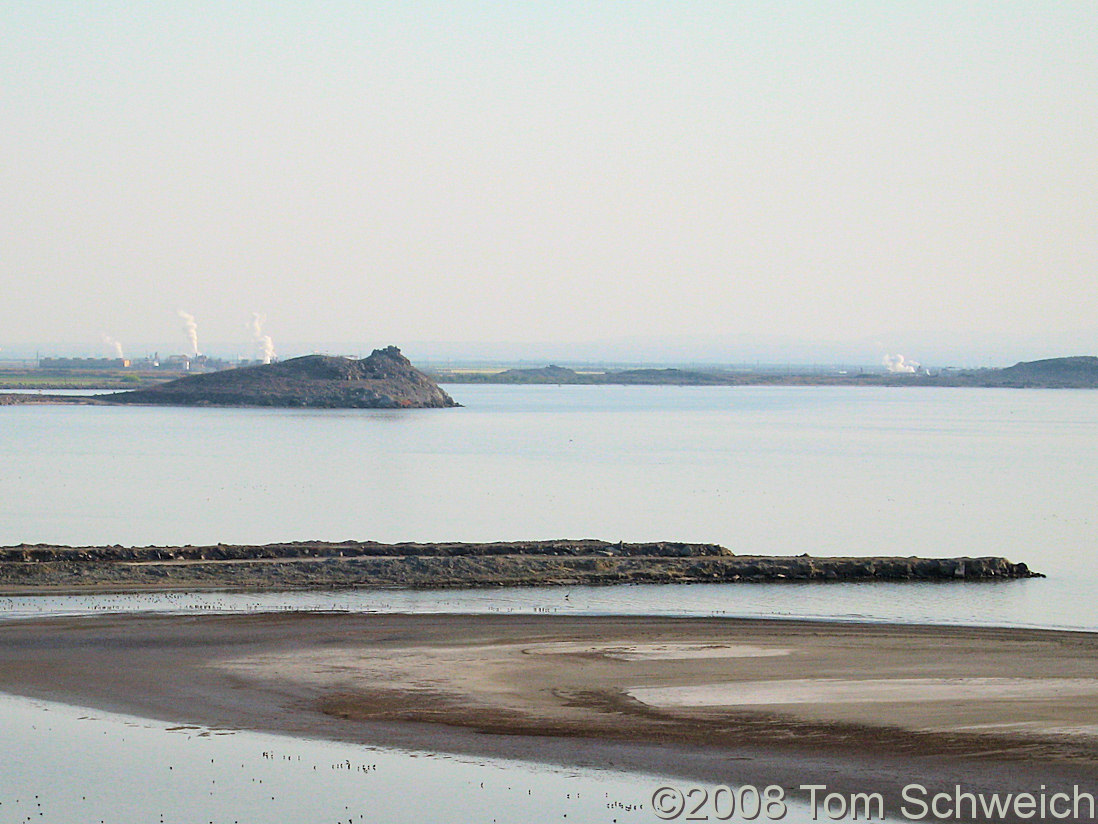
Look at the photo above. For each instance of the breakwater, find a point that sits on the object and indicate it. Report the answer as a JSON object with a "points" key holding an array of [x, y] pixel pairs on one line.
{"points": [[317, 564]]}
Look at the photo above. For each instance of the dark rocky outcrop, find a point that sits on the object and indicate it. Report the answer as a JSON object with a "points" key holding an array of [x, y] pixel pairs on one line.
{"points": [[317, 564], [384, 380]]}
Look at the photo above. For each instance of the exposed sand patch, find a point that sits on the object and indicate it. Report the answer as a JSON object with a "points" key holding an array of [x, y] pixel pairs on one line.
{"points": [[863, 691], [659, 652], [456, 669], [1074, 730]]}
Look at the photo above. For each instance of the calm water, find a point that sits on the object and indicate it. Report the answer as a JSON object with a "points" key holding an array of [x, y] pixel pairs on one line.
{"points": [[54, 772], [1016, 603], [785, 470], [773, 470]]}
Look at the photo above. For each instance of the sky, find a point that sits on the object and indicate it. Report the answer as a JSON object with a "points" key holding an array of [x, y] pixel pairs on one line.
{"points": [[687, 180]]}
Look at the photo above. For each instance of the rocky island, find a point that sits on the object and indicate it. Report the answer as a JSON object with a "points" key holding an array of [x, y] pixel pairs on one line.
{"points": [[327, 565], [384, 380]]}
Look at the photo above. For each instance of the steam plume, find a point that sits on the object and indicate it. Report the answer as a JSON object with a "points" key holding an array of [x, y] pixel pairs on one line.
{"points": [[113, 344], [899, 364], [191, 328], [263, 342]]}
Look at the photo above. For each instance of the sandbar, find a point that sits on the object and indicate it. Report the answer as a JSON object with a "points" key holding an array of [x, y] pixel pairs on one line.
{"points": [[859, 707]]}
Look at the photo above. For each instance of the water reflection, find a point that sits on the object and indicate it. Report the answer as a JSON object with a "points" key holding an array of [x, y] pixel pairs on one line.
{"points": [[1023, 603], [54, 759]]}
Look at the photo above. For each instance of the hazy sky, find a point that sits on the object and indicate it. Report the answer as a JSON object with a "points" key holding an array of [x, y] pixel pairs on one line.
{"points": [[895, 174]]}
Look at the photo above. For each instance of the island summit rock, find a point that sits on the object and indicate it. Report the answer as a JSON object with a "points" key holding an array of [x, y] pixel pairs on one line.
{"points": [[384, 380]]}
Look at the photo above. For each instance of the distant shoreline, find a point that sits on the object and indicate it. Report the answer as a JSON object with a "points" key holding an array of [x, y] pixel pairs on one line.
{"points": [[1054, 373]]}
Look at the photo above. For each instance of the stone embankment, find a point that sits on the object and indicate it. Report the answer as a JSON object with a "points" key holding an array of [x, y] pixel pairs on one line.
{"points": [[324, 565]]}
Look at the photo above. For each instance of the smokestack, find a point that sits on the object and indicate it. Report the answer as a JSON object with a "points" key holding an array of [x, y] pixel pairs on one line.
{"points": [[191, 328], [113, 344], [264, 344], [897, 364]]}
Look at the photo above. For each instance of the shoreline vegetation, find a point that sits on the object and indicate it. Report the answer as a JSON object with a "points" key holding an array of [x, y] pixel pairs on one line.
{"points": [[861, 708], [349, 564]]}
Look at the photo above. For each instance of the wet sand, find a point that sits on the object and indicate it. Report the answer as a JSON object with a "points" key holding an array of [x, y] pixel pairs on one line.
{"points": [[860, 708]]}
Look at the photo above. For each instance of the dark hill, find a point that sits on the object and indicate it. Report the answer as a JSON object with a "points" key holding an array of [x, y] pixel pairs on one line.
{"points": [[546, 374], [385, 380], [1080, 372]]}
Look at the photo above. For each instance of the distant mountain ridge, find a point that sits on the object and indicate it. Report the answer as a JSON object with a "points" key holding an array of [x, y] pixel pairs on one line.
{"points": [[384, 380]]}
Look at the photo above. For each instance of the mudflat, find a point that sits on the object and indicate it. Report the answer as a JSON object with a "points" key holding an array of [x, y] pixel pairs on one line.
{"points": [[858, 707]]}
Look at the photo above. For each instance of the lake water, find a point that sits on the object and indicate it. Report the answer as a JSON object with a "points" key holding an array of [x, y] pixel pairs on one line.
{"points": [[784, 470], [54, 772], [781, 470]]}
